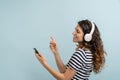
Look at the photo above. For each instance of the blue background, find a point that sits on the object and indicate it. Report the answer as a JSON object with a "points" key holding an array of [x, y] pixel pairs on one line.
{"points": [[25, 24]]}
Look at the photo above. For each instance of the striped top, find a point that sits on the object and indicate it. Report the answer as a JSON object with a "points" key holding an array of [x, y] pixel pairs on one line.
{"points": [[81, 62]]}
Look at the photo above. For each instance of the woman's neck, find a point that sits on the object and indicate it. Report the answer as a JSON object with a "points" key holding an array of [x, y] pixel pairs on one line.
{"points": [[80, 45]]}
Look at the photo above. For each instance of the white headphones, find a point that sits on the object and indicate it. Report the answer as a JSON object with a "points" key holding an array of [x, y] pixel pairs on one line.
{"points": [[88, 36]]}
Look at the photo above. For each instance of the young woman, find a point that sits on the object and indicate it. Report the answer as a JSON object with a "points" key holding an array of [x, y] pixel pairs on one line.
{"points": [[88, 56]]}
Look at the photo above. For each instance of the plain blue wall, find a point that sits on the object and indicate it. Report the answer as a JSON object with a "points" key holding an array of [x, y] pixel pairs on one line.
{"points": [[25, 24]]}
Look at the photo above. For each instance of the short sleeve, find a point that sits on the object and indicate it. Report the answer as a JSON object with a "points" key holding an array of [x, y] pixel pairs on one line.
{"points": [[76, 61]]}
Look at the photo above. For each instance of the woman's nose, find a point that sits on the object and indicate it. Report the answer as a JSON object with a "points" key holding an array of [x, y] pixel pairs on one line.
{"points": [[73, 33]]}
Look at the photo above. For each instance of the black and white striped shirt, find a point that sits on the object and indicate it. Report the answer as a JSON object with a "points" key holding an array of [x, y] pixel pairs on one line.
{"points": [[81, 62]]}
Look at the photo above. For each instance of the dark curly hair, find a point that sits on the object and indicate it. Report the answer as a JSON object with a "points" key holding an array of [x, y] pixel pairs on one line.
{"points": [[95, 45]]}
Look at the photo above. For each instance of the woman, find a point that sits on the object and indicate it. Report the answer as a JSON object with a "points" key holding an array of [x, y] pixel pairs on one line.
{"points": [[88, 57]]}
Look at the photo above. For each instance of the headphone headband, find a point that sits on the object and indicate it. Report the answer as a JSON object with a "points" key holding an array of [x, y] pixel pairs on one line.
{"points": [[93, 27]]}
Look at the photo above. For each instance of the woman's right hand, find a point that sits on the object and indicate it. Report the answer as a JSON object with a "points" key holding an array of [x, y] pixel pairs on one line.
{"points": [[53, 46]]}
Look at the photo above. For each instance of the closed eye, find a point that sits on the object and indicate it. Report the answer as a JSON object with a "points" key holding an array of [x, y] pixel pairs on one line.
{"points": [[77, 31]]}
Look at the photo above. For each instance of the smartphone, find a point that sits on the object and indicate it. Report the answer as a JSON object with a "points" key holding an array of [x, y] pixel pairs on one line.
{"points": [[36, 51]]}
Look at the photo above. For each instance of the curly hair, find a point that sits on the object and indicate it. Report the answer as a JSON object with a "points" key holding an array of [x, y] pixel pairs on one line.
{"points": [[95, 45]]}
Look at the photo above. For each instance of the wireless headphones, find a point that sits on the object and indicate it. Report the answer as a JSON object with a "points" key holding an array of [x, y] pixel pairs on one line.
{"points": [[88, 36]]}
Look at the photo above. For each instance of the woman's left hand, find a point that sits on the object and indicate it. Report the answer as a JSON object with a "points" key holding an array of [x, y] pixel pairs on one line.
{"points": [[41, 58]]}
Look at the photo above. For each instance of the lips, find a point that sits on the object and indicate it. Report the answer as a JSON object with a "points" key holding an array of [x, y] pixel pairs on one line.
{"points": [[74, 38]]}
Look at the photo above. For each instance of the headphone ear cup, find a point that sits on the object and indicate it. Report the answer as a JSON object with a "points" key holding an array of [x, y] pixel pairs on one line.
{"points": [[87, 37]]}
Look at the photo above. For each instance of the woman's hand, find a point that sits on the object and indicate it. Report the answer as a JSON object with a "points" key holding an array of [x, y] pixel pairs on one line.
{"points": [[41, 58], [53, 46]]}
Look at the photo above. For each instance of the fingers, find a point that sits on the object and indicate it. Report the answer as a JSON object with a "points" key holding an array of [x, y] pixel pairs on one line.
{"points": [[40, 55], [53, 42], [52, 39], [41, 58]]}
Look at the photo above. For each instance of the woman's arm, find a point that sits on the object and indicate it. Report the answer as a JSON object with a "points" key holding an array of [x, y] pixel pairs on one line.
{"points": [[60, 63], [54, 49], [69, 73]]}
